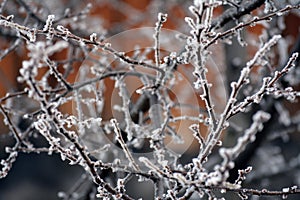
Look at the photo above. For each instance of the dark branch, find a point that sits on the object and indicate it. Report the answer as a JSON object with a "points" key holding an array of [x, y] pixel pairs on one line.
{"points": [[236, 13]]}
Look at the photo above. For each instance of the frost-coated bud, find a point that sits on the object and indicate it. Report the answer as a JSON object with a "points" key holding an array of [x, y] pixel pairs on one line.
{"points": [[162, 17]]}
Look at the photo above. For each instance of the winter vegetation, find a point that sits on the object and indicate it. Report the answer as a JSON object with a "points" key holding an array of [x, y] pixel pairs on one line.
{"points": [[179, 100]]}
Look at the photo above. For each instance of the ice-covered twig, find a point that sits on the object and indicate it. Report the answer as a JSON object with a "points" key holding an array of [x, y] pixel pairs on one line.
{"points": [[268, 87], [162, 18], [214, 134], [123, 145], [30, 35], [252, 22], [230, 154], [195, 44]]}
